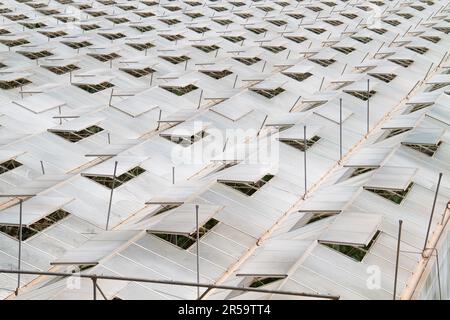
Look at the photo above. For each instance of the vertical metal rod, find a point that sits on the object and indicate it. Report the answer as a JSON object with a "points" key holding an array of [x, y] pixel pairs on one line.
{"points": [[304, 159], [200, 99], [198, 248], [173, 175], [94, 288], [151, 79], [109, 138], [368, 105], [262, 125], [295, 103], [110, 97], [264, 66], [400, 222], [432, 212], [235, 80], [159, 119], [19, 258], [185, 65], [340, 129], [111, 194], [59, 111], [321, 83], [42, 167]]}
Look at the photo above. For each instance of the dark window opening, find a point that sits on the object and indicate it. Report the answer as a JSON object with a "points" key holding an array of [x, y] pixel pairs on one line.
{"points": [[248, 60], [78, 135], [17, 83], [405, 63], [396, 196], [137, 73], [206, 49], [234, 39], [394, 132], [268, 93], [385, 77], [141, 46], [9, 165], [249, 188], [62, 69], [358, 171], [323, 62], [179, 91], [217, 74], [262, 281], [109, 182], [428, 149], [35, 55], [363, 95], [298, 76], [300, 143]]}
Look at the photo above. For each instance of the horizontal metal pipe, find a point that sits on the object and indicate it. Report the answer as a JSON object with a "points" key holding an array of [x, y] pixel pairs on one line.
{"points": [[170, 282]]}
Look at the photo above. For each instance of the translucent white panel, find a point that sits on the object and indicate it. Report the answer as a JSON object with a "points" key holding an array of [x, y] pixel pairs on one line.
{"points": [[395, 178], [372, 157], [40, 102], [424, 136]]}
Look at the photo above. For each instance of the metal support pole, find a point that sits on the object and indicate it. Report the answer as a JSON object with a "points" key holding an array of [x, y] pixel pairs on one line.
{"points": [[111, 194], [200, 99], [295, 103], [235, 80], [19, 258], [198, 248], [173, 175], [42, 167], [368, 105], [159, 119], [262, 125], [400, 222], [340, 129], [94, 288], [432, 212], [304, 159]]}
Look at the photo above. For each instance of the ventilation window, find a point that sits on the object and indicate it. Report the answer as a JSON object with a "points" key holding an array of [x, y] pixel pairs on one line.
{"points": [[83, 6], [199, 29], [5, 10], [445, 30], [386, 77], [107, 2], [53, 34], [144, 14], [298, 76], [428, 149], [172, 8], [193, 15], [234, 39], [13, 43], [274, 49], [268, 93], [299, 143], [247, 60], [419, 106], [179, 91], [35, 55], [437, 86], [277, 22], [405, 15], [296, 15], [33, 25], [112, 36], [358, 171], [174, 59], [170, 22], [216, 74], [355, 252], [137, 73], [315, 9], [330, 4], [392, 22], [237, 3], [219, 9], [184, 134], [362, 39], [150, 3], [87, 27], [172, 37], [257, 30], [223, 22], [77, 45], [395, 196], [117, 181], [93, 88], [262, 281], [65, 19], [16, 83], [248, 188], [418, 8], [62, 69], [419, 50], [349, 15], [186, 241], [104, 57], [36, 227], [316, 30], [16, 17], [296, 39], [3, 32], [265, 9], [244, 15], [378, 30], [333, 22], [118, 20], [143, 28], [9, 165], [124, 7], [323, 62], [141, 46], [35, 5], [75, 136], [433, 39], [96, 13], [206, 49], [394, 132], [363, 95], [344, 50], [402, 62]]}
